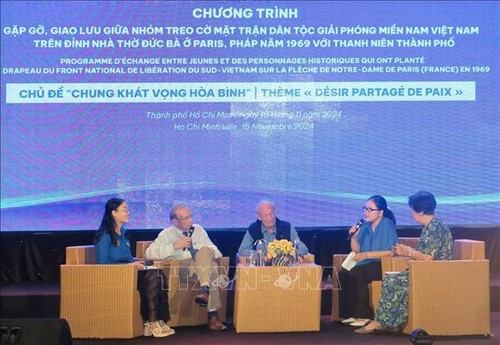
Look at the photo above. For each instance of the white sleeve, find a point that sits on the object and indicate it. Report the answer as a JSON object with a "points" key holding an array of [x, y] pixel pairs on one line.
{"points": [[162, 247]]}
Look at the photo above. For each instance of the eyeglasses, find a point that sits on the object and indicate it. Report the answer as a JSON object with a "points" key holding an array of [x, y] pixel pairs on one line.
{"points": [[369, 209], [183, 219]]}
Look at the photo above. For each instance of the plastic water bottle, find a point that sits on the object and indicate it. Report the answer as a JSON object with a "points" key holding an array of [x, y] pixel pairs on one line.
{"points": [[252, 258], [260, 247]]}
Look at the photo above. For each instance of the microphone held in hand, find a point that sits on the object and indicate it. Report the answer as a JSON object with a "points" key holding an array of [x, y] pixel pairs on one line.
{"points": [[357, 226], [188, 234]]}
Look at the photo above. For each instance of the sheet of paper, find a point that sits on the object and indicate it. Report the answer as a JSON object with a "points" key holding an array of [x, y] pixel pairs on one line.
{"points": [[349, 262]]}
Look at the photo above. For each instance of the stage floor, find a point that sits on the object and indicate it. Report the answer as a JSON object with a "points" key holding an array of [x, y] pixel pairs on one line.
{"points": [[42, 300]]}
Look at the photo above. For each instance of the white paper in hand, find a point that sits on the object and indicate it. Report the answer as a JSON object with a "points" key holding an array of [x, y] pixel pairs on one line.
{"points": [[150, 268], [349, 261]]}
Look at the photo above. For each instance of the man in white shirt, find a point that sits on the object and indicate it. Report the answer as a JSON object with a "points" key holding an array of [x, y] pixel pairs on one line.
{"points": [[189, 243]]}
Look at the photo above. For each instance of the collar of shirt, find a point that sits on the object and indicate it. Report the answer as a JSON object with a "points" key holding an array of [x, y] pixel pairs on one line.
{"points": [[265, 231], [179, 231]]}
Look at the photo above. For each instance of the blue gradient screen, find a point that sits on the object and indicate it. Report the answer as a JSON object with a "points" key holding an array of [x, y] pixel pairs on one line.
{"points": [[314, 105]]}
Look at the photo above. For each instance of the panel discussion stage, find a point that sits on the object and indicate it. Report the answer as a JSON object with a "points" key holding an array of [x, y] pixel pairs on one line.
{"points": [[30, 261]]}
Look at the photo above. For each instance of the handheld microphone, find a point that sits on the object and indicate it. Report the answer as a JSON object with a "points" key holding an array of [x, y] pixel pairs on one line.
{"points": [[357, 226], [189, 234]]}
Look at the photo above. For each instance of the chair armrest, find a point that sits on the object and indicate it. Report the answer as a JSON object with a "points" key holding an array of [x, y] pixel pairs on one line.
{"points": [[409, 241], [309, 258], [240, 259], [469, 250], [223, 261], [394, 263], [80, 255], [140, 248], [337, 266], [105, 277], [337, 261]]}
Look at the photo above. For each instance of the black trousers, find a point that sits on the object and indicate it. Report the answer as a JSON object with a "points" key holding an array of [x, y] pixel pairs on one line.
{"points": [[354, 298], [153, 288]]}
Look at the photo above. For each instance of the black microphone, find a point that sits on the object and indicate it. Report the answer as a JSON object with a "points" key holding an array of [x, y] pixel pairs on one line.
{"points": [[357, 226], [189, 233]]}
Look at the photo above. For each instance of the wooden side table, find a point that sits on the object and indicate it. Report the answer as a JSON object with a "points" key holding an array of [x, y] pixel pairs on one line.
{"points": [[277, 299]]}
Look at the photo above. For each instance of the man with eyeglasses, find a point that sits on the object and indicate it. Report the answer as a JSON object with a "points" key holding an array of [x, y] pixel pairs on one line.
{"points": [[189, 243], [268, 227]]}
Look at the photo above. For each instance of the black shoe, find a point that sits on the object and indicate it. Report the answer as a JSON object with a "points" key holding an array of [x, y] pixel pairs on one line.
{"points": [[202, 299]]}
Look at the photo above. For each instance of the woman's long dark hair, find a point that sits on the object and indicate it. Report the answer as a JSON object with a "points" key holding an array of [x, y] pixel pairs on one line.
{"points": [[108, 224], [381, 204]]}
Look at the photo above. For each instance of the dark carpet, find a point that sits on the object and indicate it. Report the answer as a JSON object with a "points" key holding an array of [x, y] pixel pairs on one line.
{"points": [[330, 333]]}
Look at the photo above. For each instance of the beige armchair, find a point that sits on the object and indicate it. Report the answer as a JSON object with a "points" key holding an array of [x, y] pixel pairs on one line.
{"points": [[99, 301], [374, 287], [181, 294], [449, 297]]}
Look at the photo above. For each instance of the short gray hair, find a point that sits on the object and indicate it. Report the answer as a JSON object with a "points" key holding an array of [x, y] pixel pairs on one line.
{"points": [[262, 202], [175, 208]]}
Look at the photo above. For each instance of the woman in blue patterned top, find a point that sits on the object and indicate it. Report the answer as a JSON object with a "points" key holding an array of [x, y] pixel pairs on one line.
{"points": [[435, 243], [113, 247]]}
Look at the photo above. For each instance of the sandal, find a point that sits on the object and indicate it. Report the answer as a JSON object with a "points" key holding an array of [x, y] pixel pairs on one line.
{"points": [[156, 330], [166, 328]]}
